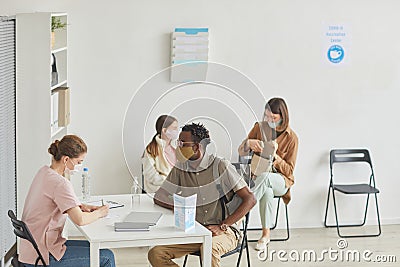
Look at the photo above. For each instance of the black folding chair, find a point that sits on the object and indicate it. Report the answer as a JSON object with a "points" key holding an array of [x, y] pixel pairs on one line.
{"points": [[21, 230], [243, 244], [247, 161], [341, 156]]}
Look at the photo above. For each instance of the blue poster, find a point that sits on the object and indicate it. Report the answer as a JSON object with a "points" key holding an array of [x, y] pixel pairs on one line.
{"points": [[336, 51]]}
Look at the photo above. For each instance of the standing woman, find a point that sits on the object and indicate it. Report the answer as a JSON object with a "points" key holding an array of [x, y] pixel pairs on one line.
{"points": [[159, 155], [279, 181], [50, 199]]}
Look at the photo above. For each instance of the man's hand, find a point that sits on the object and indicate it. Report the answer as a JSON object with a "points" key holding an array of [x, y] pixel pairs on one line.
{"points": [[215, 230]]}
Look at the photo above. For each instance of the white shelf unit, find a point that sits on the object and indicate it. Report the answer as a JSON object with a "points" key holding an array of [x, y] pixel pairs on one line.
{"points": [[35, 131]]}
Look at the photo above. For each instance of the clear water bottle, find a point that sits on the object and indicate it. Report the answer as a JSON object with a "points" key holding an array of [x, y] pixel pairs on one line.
{"points": [[135, 193], [85, 184]]}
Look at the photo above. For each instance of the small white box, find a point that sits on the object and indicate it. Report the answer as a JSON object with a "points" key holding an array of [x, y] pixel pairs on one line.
{"points": [[185, 212]]}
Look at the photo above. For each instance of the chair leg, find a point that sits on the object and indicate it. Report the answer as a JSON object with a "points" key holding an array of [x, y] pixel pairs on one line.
{"points": [[366, 210], [355, 225], [326, 209], [247, 252], [277, 213], [341, 225], [240, 254], [244, 245], [377, 214], [287, 227], [185, 260], [276, 222]]}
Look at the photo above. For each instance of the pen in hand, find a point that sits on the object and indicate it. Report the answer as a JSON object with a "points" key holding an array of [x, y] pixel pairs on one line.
{"points": [[102, 202]]}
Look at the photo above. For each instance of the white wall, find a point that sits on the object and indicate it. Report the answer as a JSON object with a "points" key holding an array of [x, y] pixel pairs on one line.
{"points": [[115, 46]]}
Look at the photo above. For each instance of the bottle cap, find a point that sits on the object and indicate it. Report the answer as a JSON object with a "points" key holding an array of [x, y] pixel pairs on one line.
{"points": [[85, 169]]}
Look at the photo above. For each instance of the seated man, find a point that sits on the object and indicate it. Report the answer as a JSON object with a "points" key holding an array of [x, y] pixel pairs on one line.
{"points": [[200, 173]]}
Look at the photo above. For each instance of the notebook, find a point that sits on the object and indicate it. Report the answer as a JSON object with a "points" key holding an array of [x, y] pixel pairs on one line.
{"points": [[150, 218], [130, 227]]}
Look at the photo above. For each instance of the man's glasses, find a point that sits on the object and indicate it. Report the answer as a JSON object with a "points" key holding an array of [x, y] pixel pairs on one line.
{"points": [[180, 143]]}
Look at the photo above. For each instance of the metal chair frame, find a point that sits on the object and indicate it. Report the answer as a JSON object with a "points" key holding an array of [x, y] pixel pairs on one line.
{"points": [[348, 156]]}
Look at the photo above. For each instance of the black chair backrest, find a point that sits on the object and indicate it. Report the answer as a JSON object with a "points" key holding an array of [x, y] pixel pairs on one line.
{"points": [[21, 230], [349, 155], [245, 159]]}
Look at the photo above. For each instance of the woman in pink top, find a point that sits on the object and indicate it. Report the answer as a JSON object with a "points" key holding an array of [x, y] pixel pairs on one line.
{"points": [[50, 199]]}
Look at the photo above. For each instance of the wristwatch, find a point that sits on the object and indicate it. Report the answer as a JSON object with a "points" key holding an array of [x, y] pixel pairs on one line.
{"points": [[223, 227]]}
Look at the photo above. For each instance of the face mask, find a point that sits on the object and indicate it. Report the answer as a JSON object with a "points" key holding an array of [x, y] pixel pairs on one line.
{"points": [[77, 169], [183, 154], [273, 125], [172, 134]]}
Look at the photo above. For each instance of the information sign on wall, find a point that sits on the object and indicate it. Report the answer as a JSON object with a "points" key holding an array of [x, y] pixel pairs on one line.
{"points": [[337, 43]]}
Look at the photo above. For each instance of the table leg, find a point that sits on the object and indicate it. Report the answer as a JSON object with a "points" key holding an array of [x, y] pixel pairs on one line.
{"points": [[206, 253], [94, 254]]}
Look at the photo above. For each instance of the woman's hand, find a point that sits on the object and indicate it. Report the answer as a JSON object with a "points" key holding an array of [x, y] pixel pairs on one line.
{"points": [[81, 217], [255, 145], [103, 211], [275, 144], [88, 208]]}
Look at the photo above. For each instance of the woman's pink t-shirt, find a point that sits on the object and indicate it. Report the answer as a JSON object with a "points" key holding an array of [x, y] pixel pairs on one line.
{"points": [[49, 197]]}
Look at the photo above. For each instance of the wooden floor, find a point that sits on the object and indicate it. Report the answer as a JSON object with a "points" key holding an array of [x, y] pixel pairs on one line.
{"points": [[301, 241]]}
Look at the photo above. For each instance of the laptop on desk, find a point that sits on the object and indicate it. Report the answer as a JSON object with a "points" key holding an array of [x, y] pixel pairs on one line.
{"points": [[131, 227], [151, 218]]}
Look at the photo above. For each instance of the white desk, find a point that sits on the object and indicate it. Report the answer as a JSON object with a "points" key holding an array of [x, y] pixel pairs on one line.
{"points": [[101, 233]]}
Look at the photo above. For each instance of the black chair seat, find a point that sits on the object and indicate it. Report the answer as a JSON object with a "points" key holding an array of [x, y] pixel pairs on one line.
{"points": [[356, 188], [233, 251]]}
